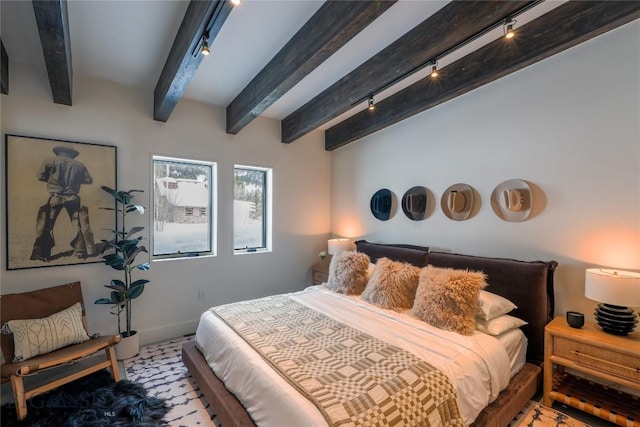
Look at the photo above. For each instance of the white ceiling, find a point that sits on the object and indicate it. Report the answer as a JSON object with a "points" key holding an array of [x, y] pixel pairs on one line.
{"points": [[128, 42]]}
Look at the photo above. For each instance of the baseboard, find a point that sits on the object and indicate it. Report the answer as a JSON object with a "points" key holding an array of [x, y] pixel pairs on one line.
{"points": [[166, 332]]}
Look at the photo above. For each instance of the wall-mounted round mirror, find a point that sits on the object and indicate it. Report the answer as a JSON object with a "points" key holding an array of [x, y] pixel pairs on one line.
{"points": [[381, 203], [414, 203]]}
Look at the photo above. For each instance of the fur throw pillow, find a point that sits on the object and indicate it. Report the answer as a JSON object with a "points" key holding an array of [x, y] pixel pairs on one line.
{"points": [[348, 273], [392, 285], [448, 298]]}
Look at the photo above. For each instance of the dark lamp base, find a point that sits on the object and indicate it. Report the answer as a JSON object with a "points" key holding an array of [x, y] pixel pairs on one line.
{"points": [[615, 319]]}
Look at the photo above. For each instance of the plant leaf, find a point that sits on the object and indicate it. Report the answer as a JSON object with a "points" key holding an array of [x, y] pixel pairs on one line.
{"points": [[109, 190], [117, 297], [103, 301], [134, 230], [144, 266], [119, 289], [140, 282], [135, 292], [134, 253]]}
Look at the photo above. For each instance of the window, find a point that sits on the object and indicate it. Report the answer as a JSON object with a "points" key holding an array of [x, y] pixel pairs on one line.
{"points": [[251, 209], [180, 189]]}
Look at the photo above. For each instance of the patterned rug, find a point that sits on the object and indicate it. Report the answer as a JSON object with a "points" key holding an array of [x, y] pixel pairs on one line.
{"points": [[160, 370], [536, 415]]}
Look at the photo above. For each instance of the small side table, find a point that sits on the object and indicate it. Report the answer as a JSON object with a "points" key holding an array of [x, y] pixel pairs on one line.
{"points": [[592, 352], [320, 272]]}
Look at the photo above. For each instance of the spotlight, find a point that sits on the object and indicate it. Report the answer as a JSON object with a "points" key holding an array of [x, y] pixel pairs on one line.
{"points": [[371, 104], [205, 46], [508, 30], [235, 2], [434, 70]]}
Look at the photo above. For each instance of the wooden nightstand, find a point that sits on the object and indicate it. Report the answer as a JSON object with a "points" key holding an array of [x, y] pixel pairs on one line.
{"points": [[320, 273], [589, 351]]}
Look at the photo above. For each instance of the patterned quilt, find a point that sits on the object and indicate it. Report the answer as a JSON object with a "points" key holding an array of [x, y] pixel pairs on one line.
{"points": [[353, 378]]}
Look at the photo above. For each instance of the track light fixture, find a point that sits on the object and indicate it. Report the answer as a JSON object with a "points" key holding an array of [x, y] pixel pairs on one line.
{"points": [[205, 45], [508, 29], [507, 24], [434, 69]]}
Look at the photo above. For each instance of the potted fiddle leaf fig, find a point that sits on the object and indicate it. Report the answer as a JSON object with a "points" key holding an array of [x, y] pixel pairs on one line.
{"points": [[120, 254]]}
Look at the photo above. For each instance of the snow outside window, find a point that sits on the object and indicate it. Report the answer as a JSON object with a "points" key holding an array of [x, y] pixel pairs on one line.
{"points": [[251, 209], [180, 189]]}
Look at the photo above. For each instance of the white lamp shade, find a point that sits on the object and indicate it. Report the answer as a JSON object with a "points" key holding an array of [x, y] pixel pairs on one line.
{"points": [[338, 245], [613, 287]]}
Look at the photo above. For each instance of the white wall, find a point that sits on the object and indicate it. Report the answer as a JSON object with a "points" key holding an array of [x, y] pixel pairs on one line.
{"points": [[569, 125], [107, 113]]}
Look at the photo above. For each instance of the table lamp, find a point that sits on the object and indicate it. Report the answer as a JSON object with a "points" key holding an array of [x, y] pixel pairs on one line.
{"points": [[336, 246], [616, 290]]}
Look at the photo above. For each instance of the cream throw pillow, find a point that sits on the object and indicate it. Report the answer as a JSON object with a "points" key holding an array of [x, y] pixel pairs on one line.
{"points": [[448, 299], [392, 285], [32, 337]]}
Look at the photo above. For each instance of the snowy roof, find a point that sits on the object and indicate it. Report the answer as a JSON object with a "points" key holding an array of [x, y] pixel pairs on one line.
{"points": [[189, 192]]}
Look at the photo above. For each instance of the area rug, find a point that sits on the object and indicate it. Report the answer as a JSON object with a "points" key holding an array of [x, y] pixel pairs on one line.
{"points": [[159, 368], [536, 415], [94, 400]]}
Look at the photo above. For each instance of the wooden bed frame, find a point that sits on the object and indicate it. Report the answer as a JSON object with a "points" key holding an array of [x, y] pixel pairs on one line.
{"points": [[520, 281]]}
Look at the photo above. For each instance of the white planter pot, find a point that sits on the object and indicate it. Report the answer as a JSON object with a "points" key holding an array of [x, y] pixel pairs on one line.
{"points": [[128, 347]]}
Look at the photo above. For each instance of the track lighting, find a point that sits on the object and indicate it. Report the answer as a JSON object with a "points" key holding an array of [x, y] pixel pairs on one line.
{"points": [[507, 24], [508, 29], [434, 70], [205, 45]]}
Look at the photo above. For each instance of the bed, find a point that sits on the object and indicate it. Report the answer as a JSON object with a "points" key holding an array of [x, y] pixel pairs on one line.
{"points": [[519, 281]]}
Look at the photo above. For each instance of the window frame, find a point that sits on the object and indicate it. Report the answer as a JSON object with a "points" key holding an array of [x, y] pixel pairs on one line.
{"points": [[267, 203], [211, 208]]}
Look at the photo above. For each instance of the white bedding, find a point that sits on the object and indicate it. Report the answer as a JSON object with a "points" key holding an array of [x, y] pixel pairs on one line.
{"points": [[515, 343], [478, 366]]}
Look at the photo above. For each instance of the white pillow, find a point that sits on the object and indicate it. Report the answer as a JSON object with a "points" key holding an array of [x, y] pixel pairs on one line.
{"points": [[499, 325], [32, 337], [491, 305]]}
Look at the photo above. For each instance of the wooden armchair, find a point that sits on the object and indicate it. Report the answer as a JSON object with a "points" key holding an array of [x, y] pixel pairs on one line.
{"points": [[40, 304]]}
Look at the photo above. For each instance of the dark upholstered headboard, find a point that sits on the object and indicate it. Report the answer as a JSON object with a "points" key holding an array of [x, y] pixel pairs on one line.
{"points": [[416, 255], [528, 284]]}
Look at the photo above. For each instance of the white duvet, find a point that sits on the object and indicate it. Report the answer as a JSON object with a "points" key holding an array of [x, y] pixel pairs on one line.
{"points": [[477, 365]]}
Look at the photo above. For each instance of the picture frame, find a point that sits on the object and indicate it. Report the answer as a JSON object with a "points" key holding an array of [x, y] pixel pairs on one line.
{"points": [[53, 201]]}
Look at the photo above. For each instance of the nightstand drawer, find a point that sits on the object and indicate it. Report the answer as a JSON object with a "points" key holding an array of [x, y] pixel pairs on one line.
{"points": [[621, 365], [319, 277]]}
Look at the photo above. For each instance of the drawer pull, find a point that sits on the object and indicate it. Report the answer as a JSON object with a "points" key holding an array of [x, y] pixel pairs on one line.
{"points": [[597, 359]]}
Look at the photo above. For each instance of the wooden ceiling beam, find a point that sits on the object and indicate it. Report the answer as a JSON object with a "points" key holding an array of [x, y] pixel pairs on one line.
{"points": [[426, 41], [330, 28], [184, 57], [4, 70], [566, 26], [53, 25]]}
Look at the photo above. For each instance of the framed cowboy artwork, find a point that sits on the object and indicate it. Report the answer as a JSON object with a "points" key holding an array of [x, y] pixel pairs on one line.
{"points": [[54, 201]]}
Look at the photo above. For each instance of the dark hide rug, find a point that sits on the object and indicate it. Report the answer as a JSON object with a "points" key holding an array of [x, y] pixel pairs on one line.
{"points": [[96, 401]]}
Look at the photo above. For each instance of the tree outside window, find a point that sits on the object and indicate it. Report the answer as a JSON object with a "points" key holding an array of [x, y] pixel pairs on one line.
{"points": [[251, 189]]}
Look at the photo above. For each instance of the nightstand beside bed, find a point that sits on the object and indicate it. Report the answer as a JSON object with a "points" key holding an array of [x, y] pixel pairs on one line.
{"points": [[320, 272], [589, 351]]}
